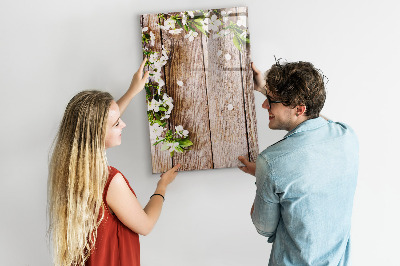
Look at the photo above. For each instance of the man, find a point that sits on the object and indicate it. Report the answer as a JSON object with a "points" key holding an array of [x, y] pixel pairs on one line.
{"points": [[306, 181]]}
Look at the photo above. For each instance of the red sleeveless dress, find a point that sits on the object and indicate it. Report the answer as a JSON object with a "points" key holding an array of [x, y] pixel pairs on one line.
{"points": [[116, 244]]}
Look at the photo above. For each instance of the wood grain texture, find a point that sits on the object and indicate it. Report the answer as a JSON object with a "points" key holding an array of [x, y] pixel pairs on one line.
{"points": [[224, 88], [161, 161], [190, 99], [248, 95], [216, 101]]}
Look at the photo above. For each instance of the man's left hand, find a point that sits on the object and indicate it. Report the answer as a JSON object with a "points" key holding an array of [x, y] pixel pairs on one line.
{"points": [[249, 167]]}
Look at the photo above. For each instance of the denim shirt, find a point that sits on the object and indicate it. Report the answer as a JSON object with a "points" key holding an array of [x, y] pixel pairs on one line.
{"points": [[305, 189]]}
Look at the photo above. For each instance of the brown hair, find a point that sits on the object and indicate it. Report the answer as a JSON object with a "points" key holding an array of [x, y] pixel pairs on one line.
{"points": [[298, 83], [78, 171]]}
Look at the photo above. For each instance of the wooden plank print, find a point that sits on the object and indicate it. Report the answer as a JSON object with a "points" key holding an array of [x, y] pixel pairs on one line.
{"points": [[200, 95]]}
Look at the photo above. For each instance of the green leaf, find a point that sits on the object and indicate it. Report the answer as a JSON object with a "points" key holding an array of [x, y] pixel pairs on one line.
{"points": [[162, 109], [186, 28], [179, 149], [236, 42], [185, 143], [179, 23], [172, 153], [191, 27], [201, 29]]}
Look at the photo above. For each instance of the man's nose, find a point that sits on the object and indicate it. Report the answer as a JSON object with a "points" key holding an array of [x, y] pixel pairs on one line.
{"points": [[265, 104]]}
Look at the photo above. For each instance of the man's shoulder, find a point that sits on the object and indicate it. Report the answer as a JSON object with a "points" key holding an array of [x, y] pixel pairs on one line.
{"points": [[276, 150], [299, 141]]}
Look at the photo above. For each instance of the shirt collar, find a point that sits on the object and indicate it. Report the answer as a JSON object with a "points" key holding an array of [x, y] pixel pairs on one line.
{"points": [[307, 125]]}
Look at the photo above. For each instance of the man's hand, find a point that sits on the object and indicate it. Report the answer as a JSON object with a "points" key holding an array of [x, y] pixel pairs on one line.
{"points": [[259, 82], [249, 167]]}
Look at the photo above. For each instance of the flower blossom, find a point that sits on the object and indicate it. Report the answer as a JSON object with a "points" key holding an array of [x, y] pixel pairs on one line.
{"points": [[191, 35], [184, 18], [225, 15], [155, 132], [175, 31], [241, 21], [154, 105], [152, 38], [214, 22], [168, 24], [222, 33]]}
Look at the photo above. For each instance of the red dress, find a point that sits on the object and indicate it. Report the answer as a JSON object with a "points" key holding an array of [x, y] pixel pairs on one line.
{"points": [[116, 244]]}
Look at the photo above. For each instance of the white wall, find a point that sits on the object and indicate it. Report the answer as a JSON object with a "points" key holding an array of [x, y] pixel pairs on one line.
{"points": [[49, 50]]}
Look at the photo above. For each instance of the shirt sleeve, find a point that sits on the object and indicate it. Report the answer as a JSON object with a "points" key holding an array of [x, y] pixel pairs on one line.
{"points": [[266, 212]]}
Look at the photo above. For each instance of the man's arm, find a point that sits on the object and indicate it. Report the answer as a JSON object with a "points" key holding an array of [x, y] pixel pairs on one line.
{"points": [[265, 212]]}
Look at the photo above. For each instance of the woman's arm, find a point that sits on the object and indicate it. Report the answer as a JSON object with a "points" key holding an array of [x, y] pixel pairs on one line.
{"points": [[125, 205], [137, 84]]}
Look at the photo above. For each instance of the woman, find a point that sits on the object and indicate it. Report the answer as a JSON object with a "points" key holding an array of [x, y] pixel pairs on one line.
{"points": [[95, 217]]}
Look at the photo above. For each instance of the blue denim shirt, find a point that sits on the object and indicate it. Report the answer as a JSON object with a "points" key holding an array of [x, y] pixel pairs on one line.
{"points": [[305, 189]]}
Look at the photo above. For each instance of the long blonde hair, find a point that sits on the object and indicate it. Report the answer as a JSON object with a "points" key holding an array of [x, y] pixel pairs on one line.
{"points": [[78, 171]]}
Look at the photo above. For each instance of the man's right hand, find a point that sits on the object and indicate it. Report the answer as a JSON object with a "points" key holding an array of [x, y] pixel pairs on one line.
{"points": [[249, 167], [259, 82]]}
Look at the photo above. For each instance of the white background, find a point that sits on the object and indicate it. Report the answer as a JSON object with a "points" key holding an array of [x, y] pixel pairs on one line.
{"points": [[50, 50]]}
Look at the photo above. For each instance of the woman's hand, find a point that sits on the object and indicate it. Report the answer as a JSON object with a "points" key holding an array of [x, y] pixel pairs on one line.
{"points": [[138, 79], [249, 167], [169, 176], [259, 82], [137, 84]]}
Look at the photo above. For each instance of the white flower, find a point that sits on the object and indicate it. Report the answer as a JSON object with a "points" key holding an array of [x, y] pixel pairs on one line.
{"points": [[185, 133], [145, 29], [207, 14], [221, 33], [169, 24], [230, 107], [153, 58], [157, 129], [219, 53], [179, 128], [175, 31], [165, 117], [214, 22], [155, 132], [241, 21], [154, 105], [168, 101], [184, 18], [204, 24], [190, 13], [228, 57], [152, 38], [191, 35], [173, 146], [225, 15], [170, 107], [180, 83]]}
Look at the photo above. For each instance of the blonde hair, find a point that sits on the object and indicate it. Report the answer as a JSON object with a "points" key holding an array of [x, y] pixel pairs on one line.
{"points": [[78, 171]]}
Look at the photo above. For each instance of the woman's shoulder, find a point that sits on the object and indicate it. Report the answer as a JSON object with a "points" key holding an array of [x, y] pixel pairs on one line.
{"points": [[117, 178]]}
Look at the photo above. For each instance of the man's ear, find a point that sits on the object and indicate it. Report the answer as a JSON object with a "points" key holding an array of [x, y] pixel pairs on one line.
{"points": [[300, 110]]}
